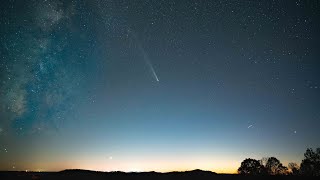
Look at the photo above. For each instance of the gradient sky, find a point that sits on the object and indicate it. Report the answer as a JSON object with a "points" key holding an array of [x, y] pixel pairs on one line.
{"points": [[157, 85]]}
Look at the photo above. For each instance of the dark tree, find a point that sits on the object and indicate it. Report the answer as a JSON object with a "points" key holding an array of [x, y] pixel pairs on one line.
{"points": [[294, 168], [251, 166], [275, 167], [310, 165]]}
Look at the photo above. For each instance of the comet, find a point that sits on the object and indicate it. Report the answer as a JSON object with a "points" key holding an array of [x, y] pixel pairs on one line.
{"points": [[146, 58]]}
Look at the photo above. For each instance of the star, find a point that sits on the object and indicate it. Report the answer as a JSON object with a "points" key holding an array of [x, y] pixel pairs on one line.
{"points": [[73, 69]]}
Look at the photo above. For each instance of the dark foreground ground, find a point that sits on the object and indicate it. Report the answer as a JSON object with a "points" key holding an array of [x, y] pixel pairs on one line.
{"points": [[93, 175]]}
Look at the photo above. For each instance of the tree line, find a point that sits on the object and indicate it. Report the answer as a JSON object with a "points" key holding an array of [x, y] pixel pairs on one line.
{"points": [[309, 166]]}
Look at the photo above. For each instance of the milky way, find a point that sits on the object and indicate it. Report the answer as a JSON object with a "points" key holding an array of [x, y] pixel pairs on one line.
{"points": [[157, 85], [41, 68]]}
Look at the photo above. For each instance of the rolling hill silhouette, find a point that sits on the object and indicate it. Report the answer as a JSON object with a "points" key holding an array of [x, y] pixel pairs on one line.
{"points": [[97, 175]]}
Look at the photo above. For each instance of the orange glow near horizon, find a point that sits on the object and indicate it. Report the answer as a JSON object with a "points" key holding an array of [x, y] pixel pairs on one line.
{"points": [[219, 162], [222, 162], [136, 166]]}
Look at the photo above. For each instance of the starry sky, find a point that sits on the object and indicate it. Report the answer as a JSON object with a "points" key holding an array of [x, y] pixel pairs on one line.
{"points": [[157, 85]]}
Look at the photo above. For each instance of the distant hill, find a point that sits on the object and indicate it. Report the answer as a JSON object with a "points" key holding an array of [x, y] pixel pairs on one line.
{"points": [[89, 174], [196, 172], [98, 175]]}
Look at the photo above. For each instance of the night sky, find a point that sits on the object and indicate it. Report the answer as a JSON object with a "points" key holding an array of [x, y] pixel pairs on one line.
{"points": [[157, 85]]}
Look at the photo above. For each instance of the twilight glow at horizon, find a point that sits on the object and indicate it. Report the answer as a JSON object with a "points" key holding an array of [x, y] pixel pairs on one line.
{"points": [[125, 85]]}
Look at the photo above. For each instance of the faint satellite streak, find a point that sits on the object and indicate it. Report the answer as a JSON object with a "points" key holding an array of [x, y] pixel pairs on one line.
{"points": [[250, 126]]}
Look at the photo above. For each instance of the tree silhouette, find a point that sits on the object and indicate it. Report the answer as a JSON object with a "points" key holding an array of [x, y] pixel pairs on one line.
{"points": [[275, 167], [310, 165], [251, 166], [294, 168]]}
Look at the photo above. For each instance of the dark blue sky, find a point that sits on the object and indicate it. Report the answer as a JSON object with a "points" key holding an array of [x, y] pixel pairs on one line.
{"points": [[157, 85]]}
